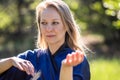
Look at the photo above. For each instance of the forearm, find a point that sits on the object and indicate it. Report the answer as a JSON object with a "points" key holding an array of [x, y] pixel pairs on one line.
{"points": [[5, 64], [66, 73]]}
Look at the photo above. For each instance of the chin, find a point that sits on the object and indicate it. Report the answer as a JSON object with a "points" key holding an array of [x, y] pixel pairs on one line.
{"points": [[51, 42]]}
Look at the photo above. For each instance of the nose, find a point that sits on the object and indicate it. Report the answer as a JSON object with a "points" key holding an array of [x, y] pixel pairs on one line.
{"points": [[49, 27]]}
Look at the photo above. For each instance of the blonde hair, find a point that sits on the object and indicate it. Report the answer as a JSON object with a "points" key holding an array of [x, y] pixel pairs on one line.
{"points": [[72, 36]]}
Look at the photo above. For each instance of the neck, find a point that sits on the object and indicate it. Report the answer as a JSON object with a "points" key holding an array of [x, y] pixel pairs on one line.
{"points": [[54, 47]]}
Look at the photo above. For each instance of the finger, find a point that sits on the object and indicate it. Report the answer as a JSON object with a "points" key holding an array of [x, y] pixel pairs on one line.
{"points": [[16, 64], [69, 59], [80, 56], [32, 70], [25, 67], [74, 58], [30, 67], [64, 62]]}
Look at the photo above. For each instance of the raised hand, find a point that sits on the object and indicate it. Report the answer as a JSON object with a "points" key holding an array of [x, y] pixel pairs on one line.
{"points": [[73, 59]]}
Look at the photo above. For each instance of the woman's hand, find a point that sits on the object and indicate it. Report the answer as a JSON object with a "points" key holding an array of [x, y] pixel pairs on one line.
{"points": [[23, 65], [73, 59]]}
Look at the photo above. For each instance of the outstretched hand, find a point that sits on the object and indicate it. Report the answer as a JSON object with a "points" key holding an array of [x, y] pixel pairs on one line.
{"points": [[73, 59], [23, 65]]}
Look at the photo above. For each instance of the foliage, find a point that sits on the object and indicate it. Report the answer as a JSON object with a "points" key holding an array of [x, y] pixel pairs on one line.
{"points": [[17, 26], [113, 9], [17, 21], [98, 16]]}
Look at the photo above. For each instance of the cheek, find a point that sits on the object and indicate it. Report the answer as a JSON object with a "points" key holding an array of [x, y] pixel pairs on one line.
{"points": [[61, 32], [61, 29], [42, 30]]}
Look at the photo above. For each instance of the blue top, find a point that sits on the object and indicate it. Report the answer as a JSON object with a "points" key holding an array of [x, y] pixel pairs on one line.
{"points": [[48, 64]]}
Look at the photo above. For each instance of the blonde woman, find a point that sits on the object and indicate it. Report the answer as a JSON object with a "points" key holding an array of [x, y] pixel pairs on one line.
{"points": [[59, 54]]}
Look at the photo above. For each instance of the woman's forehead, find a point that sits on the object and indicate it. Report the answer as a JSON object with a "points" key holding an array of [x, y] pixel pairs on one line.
{"points": [[50, 13]]}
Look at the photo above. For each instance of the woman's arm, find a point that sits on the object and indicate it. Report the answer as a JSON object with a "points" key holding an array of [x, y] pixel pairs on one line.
{"points": [[19, 63], [71, 60], [5, 64], [66, 73]]}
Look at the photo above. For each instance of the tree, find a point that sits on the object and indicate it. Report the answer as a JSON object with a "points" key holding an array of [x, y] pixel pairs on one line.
{"points": [[17, 22]]}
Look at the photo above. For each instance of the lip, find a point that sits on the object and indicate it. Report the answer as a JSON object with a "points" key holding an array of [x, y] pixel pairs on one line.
{"points": [[50, 35]]}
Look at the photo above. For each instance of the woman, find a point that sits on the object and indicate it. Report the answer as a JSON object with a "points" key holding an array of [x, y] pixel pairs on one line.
{"points": [[60, 54]]}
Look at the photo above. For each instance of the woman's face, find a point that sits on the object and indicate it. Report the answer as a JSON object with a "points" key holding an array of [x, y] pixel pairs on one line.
{"points": [[52, 28]]}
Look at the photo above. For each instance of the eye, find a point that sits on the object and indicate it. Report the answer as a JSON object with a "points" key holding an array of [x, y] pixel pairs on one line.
{"points": [[43, 23], [55, 23]]}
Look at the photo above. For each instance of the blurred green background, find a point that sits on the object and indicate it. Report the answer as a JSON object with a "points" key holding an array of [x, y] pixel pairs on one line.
{"points": [[99, 21]]}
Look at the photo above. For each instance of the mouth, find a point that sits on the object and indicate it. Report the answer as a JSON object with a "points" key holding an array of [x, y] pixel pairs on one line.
{"points": [[49, 36]]}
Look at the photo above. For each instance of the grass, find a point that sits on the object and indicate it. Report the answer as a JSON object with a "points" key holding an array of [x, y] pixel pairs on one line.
{"points": [[104, 69]]}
